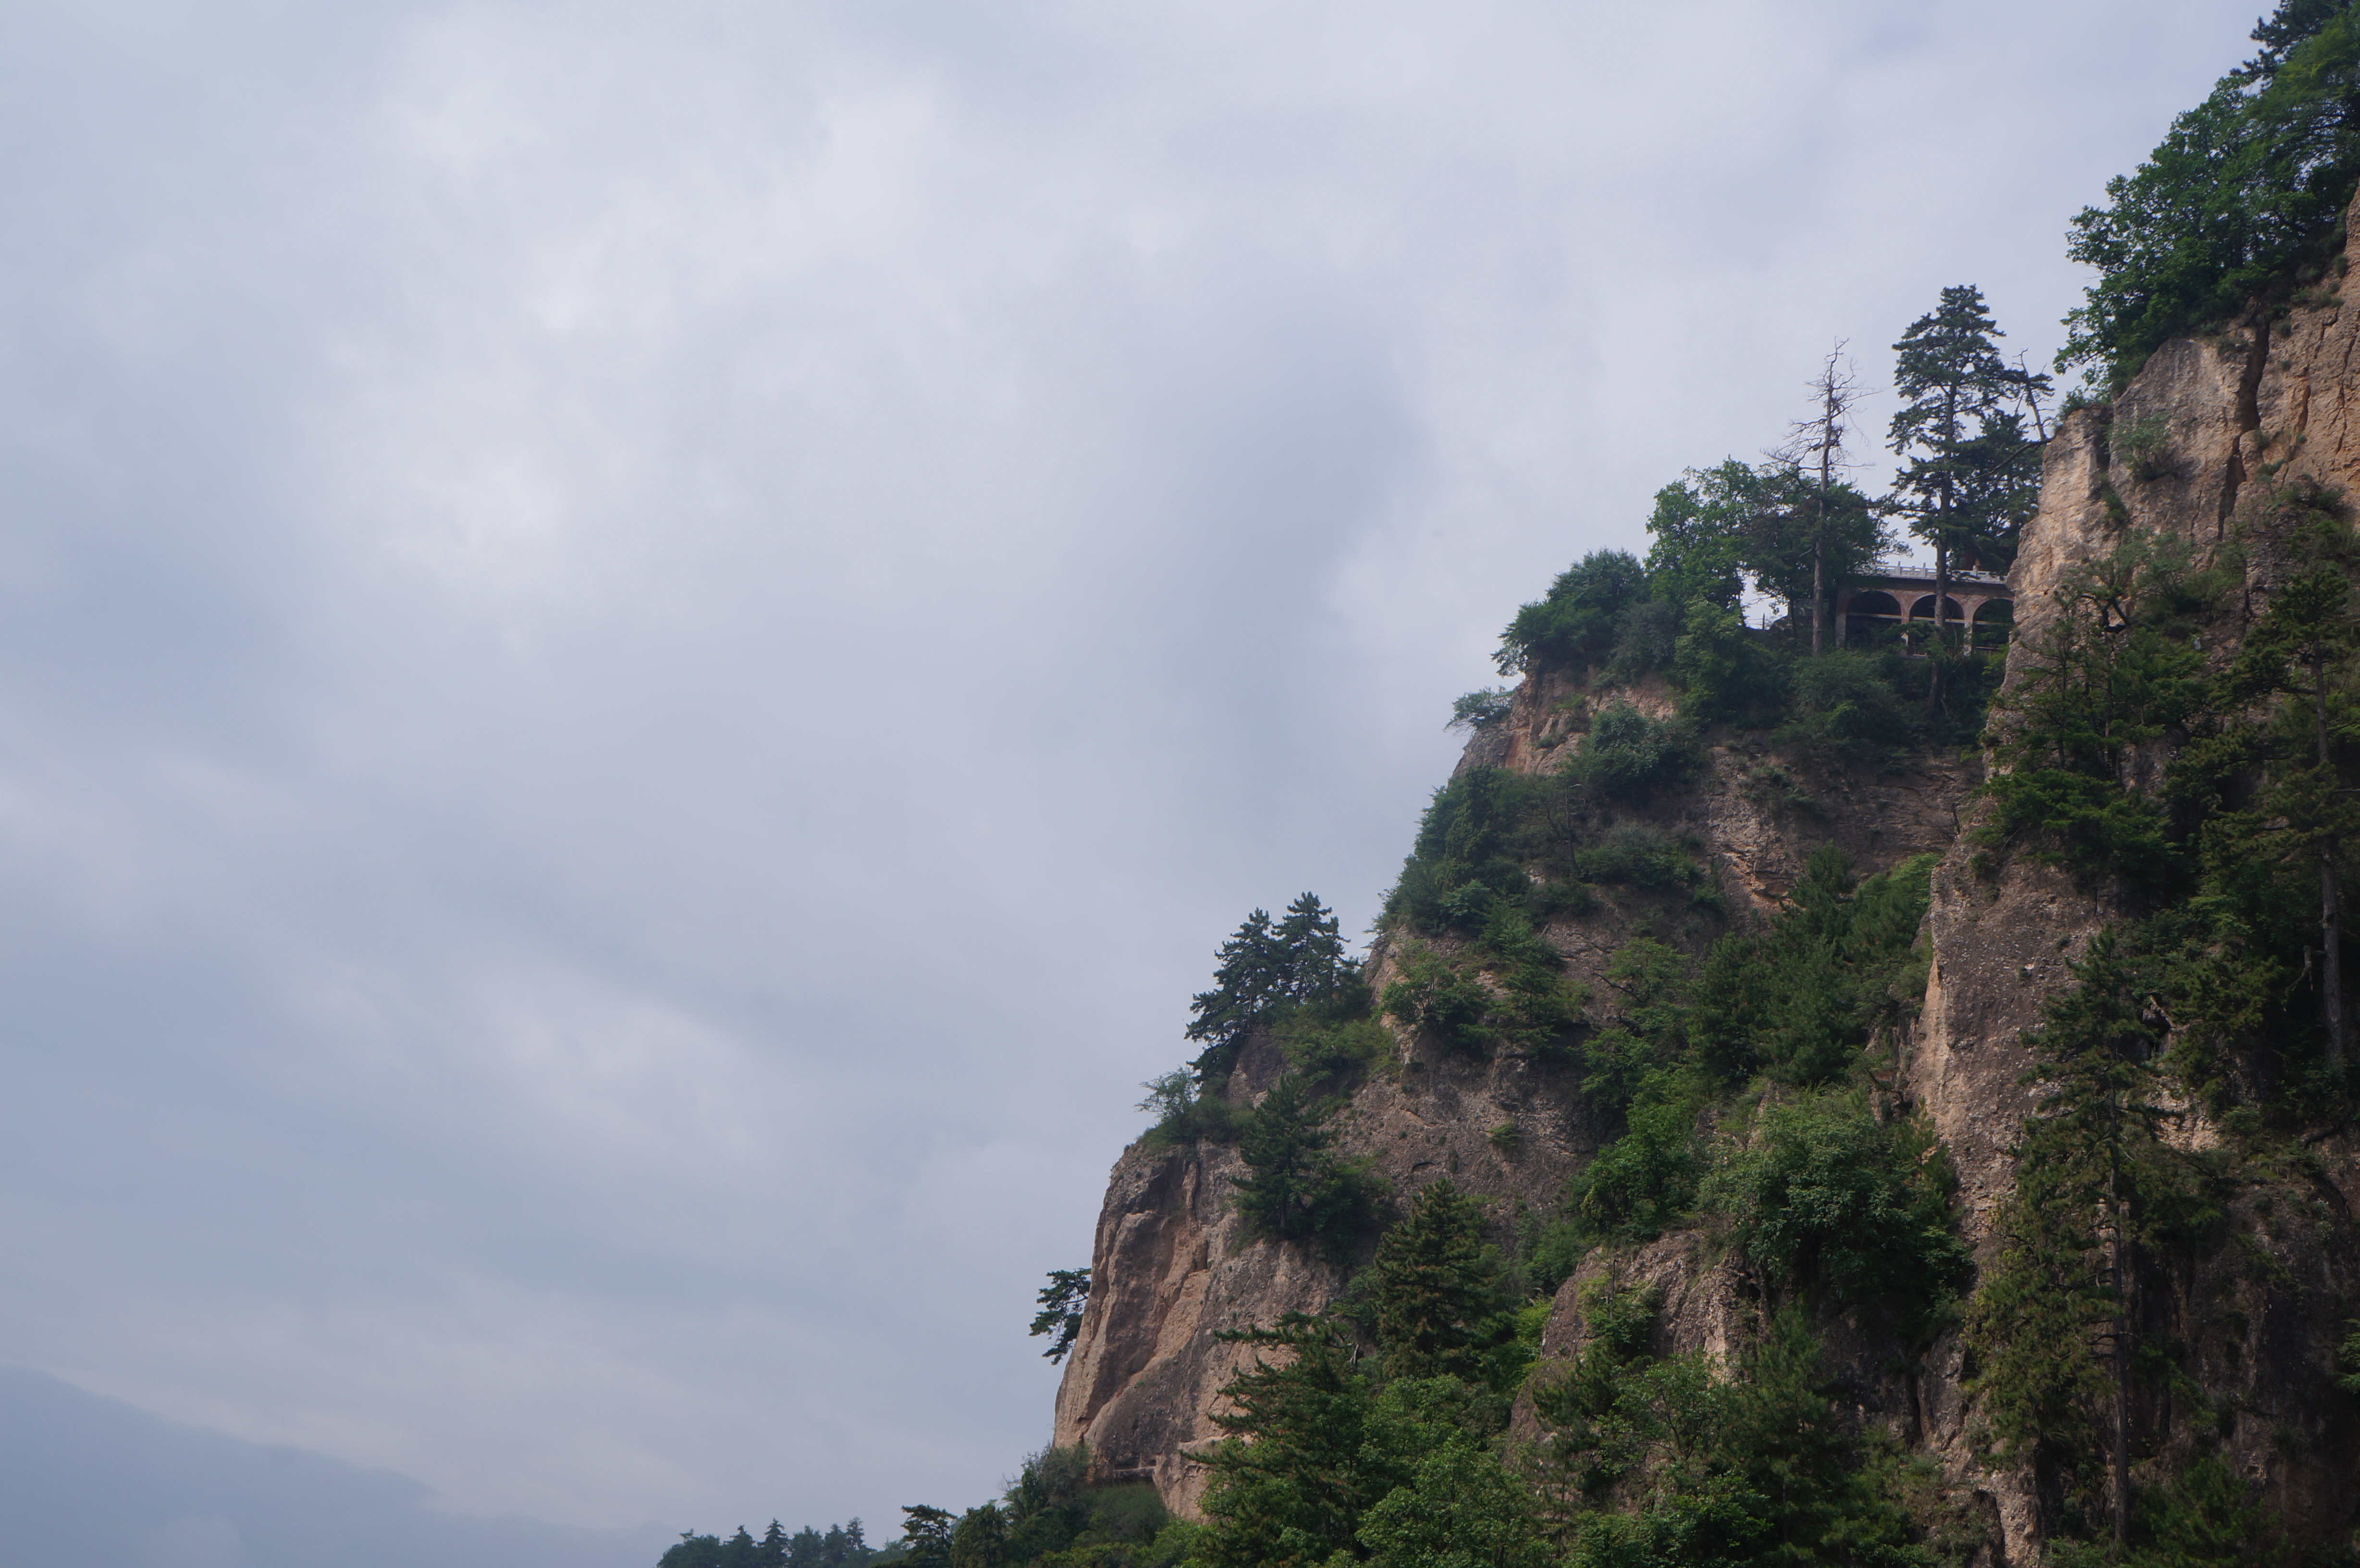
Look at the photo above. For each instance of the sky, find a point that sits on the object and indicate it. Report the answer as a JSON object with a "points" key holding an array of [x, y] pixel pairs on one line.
{"points": [[644, 649]]}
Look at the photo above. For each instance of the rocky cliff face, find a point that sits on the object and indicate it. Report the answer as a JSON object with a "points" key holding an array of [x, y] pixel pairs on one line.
{"points": [[2215, 430]]}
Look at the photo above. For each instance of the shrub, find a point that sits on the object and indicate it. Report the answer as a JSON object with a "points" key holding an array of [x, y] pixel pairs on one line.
{"points": [[2144, 444], [1824, 1196], [1849, 698], [1481, 710], [1640, 856], [1645, 1180], [1533, 1008], [1800, 995], [1576, 623], [1183, 1113], [1343, 1049], [1628, 754], [1724, 672], [1296, 1189], [1647, 636]]}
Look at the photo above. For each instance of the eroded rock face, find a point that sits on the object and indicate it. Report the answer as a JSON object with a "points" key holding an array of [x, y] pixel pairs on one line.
{"points": [[2193, 451]]}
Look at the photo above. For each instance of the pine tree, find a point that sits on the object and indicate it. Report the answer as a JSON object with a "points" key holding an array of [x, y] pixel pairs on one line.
{"points": [[1063, 1300], [2302, 644], [1293, 1496], [926, 1536], [981, 1539], [1952, 434], [2052, 1325], [1295, 1188], [1265, 967], [1438, 1302]]}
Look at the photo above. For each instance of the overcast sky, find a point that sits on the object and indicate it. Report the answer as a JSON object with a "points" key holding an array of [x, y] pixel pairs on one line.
{"points": [[644, 649]]}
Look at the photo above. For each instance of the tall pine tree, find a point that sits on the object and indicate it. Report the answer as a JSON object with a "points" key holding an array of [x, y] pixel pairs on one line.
{"points": [[1961, 444]]}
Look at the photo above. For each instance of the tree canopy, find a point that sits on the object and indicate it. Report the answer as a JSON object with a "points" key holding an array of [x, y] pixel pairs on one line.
{"points": [[2237, 207]]}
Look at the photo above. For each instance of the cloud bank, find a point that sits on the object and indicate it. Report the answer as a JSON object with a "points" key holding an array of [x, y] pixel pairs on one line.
{"points": [[643, 652]]}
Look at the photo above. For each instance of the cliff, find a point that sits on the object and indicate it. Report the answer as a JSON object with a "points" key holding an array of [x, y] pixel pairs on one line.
{"points": [[2207, 440]]}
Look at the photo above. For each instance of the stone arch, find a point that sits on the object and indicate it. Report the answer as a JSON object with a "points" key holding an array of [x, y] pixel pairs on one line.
{"points": [[1994, 622], [1923, 610], [1869, 613]]}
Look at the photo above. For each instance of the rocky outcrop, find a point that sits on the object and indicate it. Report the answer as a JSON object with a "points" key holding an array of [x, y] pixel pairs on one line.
{"points": [[2209, 438]]}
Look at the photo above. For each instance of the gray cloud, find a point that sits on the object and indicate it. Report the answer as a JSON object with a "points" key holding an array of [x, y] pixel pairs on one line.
{"points": [[642, 654]]}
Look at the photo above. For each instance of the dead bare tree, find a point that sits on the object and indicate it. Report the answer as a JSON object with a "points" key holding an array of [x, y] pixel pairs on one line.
{"points": [[1817, 442]]}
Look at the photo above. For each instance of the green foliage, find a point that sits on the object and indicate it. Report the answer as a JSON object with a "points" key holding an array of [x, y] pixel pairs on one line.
{"points": [[1050, 1515], [2347, 1360], [1799, 996], [1296, 1189], [1324, 1464], [2114, 668], [1718, 526], [1970, 475], [1062, 1300], [1529, 1008], [843, 1546], [1184, 1113], [1460, 1507], [926, 1536], [1649, 984], [980, 1539], [2095, 1189], [1294, 1494], [1638, 855], [1645, 1180], [1657, 1461], [1628, 754], [1726, 674], [1481, 709], [1267, 967], [1821, 1197], [2144, 444], [2236, 209], [1436, 1293], [1578, 623], [1330, 1047], [1474, 833], [1855, 699]]}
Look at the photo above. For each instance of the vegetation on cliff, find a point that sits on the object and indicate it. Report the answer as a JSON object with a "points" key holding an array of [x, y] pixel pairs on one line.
{"points": [[2238, 212], [2212, 805], [1737, 1078]]}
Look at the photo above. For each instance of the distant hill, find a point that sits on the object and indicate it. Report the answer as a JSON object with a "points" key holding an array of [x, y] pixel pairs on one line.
{"points": [[99, 1483]]}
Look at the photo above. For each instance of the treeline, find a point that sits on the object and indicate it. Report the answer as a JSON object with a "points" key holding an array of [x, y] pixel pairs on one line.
{"points": [[839, 1546]]}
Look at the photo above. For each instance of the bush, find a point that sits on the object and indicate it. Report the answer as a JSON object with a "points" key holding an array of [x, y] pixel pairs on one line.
{"points": [[1533, 1008], [1725, 673], [1340, 1048], [1183, 1113], [1627, 755], [1296, 1189], [1849, 698], [1579, 622], [1821, 1196], [1647, 636], [1800, 995], [1467, 836], [1481, 710], [1640, 856], [1644, 1182]]}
